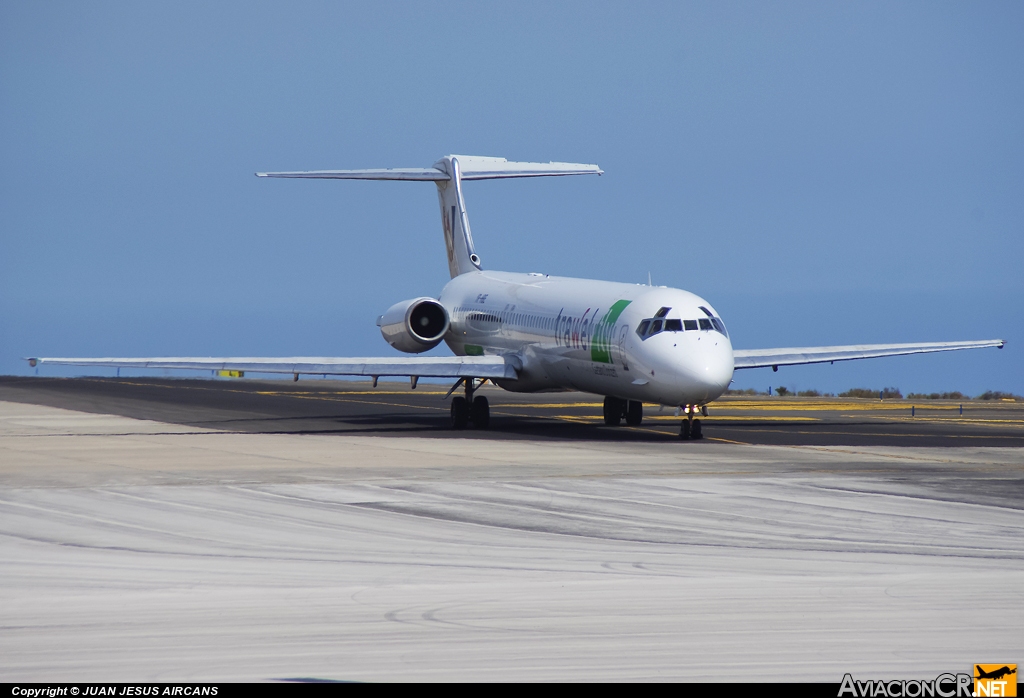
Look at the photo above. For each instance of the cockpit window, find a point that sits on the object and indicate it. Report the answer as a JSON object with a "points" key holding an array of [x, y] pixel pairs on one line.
{"points": [[659, 323], [655, 325]]}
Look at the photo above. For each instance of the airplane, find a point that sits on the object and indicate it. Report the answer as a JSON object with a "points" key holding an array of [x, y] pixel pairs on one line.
{"points": [[527, 332], [995, 674]]}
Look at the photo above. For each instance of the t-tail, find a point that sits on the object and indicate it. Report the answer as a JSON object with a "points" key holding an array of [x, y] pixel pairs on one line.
{"points": [[448, 174]]}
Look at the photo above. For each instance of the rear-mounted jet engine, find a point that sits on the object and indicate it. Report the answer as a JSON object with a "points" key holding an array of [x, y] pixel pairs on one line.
{"points": [[414, 326]]}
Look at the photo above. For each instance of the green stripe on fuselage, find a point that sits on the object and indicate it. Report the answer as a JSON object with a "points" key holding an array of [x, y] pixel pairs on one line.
{"points": [[601, 344]]}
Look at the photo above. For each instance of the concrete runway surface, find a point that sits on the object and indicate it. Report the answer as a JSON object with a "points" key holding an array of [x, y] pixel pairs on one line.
{"points": [[162, 549]]}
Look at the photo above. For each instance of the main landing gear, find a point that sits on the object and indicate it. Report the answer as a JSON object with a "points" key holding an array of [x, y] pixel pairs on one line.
{"points": [[470, 409], [615, 409], [690, 429]]}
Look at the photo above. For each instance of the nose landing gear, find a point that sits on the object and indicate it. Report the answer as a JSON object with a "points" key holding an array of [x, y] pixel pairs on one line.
{"points": [[690, 429]]}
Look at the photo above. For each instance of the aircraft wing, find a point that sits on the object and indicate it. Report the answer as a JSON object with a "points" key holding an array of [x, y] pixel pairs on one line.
{"points": [[760, 358], [423, 367]]}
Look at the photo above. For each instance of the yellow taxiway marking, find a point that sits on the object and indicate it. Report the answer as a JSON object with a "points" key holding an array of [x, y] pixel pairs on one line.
{"points": [[338, 398], [321, 396], [783, 404], [954, 420], [832, 406], [296, 393], [728, 407], [924, 436], [670, 418], [559, 405], [737, 418], [838, 406]]}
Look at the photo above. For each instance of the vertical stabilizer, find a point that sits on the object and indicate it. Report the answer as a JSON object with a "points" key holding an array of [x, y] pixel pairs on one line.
{"points": [[458, 238], [448, 173]]}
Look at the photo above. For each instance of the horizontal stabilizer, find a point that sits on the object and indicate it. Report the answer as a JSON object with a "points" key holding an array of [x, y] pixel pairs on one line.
{"points": [[414, 174], [761, 358], [424, 367], [474, 167], [471, 167]]}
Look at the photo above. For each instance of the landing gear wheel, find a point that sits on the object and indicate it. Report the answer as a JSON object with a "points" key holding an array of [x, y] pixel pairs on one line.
{"points": [[684, 430], [634, 413], [613, 410], [460, 413], [480, 413], [695, 432]]}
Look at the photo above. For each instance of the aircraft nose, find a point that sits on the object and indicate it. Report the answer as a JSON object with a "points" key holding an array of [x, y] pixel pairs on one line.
{"points": [[701, 365], [715, 368]]}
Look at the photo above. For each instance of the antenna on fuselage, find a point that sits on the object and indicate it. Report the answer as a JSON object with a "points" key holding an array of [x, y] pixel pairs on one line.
{"points": [[448, 173]]}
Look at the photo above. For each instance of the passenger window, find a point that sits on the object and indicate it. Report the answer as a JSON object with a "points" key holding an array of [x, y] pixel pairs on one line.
{"points": [[656, 327], [673, 325], [690, 324], [642, 329], [705, 324]]}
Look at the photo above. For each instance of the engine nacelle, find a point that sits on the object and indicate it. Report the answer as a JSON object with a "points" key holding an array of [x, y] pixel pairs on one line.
{"points": [[414, 326]]}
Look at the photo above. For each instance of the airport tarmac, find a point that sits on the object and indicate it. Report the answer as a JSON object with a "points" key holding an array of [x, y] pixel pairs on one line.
{"points": [[158, 530], [393, 409]]}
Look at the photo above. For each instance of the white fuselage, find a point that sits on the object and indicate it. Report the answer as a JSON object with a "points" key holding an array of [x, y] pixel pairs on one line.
{"points": [[580, 334]]}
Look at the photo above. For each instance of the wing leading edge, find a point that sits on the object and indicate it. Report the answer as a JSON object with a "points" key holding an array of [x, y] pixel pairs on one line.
{"points": [[424, 367], [792, 356]]}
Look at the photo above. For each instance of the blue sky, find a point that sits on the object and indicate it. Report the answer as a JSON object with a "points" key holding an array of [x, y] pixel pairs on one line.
{"points": [[823, 173]]}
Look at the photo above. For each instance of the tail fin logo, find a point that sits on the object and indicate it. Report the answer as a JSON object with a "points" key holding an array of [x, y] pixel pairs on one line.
{"points": [[449, 239]]}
